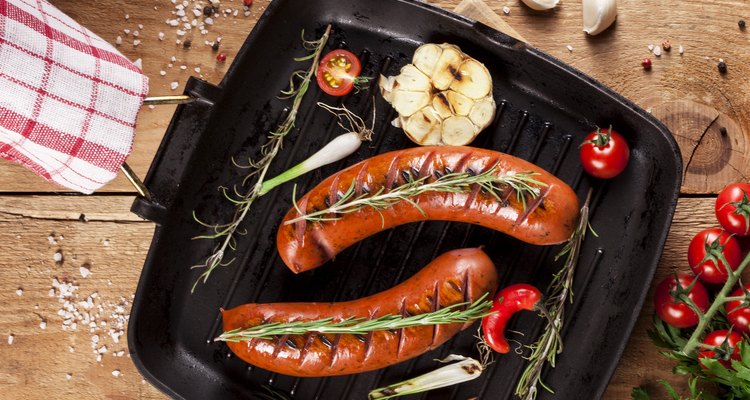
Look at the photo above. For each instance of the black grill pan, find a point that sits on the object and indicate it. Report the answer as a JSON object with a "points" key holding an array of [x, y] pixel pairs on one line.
{"points": [[544, 110]]}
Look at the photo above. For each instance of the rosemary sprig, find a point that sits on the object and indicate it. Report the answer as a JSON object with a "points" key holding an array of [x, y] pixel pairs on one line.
{"points": [[360, 326], [523, 183], [259, 168], [560, 291]]}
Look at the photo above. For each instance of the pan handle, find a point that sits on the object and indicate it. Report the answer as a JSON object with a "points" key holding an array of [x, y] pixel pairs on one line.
{"points": [[176, 150]]}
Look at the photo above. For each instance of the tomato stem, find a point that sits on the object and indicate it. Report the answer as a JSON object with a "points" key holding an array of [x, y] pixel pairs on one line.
{"points": [[721, 298]]}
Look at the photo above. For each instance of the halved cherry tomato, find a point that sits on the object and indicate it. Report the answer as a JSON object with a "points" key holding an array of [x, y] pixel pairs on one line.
{"points": [[733, 209], [337, 72], [669, 306], [507, 302], [726, 347], [738, 311], [604, 153], [704, 255]]}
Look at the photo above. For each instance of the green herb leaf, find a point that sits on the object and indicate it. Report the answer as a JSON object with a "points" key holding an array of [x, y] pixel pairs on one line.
{"points": [[639, 393], [448, 315]]}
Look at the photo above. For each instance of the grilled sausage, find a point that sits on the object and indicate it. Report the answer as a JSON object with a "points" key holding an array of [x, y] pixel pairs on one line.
{"points": [[549, 218], [457, 276]]}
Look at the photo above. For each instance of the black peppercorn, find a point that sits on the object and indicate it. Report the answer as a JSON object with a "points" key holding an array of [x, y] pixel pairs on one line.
{"points": [[215, 46], [208, 11], [723, 131], [186, 44], [722, 66], [741, 24]]}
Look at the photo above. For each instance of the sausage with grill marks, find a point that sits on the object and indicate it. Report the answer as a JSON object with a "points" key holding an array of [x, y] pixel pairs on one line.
{"points": [[457, 276], [546, 219]]}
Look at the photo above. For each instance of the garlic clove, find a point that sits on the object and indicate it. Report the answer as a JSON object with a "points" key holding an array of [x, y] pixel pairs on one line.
{"points": [[541, 5], [407, 103], [426, 57], [472, 79], [598, 15], [412, 79], [446, 68], [461, 104], [441, 105], [483, 112], [423, 127], [459, 131]]}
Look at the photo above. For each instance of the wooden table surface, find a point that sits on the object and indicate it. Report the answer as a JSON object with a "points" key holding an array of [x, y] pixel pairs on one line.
{"points": [[40, 223]]}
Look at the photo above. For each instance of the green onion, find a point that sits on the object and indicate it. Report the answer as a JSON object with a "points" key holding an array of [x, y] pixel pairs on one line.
{"points": [[464, 370], [337, 149]]}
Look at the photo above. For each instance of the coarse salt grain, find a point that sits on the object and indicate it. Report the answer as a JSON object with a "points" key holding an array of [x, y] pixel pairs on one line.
{"points": [[569, 47], [173, 22], [116, 373], [127, 31], [136, 33], [140, 26], [161, 35], [174, 85], [11, 338], [43, 324], [127, 17], [681, 50], [162, 72], [136, 42], [198, 70], [57, 257], [180, 32], [120, 353], [197, 12], [85, 272], [19, 292], [506, 10], [99, 358], [208, 21], [657, 51], [183, 67], [118, 40]]}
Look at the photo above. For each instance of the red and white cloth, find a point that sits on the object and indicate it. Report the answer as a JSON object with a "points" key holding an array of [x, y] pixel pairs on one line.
{"points": [[68, 99]]}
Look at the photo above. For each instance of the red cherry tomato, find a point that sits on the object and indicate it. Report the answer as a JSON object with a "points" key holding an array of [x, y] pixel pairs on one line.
{"points": [[738, 311], [733, 209], [604, 153], [704, 251], [674, 311], [507, 302], [337, 72], [726, 342]]}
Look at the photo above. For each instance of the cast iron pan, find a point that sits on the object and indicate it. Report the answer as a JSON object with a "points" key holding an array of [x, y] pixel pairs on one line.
{"points": [[544, 110]]}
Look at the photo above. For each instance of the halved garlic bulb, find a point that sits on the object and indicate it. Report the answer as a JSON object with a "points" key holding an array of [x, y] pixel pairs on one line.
{"points": [[443, 97], [598, 15]]}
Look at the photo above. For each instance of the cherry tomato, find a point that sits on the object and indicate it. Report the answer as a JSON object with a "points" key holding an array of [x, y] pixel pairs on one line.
{"points": [[337, 72], [733, 209], [726, 342], [674, 311], [507, 302], [738, 311], [704, 252], [604, 153]]}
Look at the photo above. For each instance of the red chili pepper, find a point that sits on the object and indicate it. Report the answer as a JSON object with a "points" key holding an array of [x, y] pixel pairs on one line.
{"points": [[221, 57], [508, 301]]}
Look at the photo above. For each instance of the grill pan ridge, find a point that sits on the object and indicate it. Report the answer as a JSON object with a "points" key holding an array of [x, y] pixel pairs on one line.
{"points": [[544, 110]]}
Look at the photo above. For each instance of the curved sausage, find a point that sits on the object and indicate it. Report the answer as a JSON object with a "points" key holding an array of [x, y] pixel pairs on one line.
{"points": [[457, 276], [548, 218]]}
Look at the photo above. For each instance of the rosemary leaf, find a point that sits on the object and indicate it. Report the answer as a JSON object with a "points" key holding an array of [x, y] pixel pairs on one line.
{"points": [[560, 292], [258, 169], [448, 315], [522, 183]]}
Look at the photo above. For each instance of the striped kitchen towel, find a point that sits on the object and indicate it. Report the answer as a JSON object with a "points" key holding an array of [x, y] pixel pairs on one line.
{"points": [[68, 99]]}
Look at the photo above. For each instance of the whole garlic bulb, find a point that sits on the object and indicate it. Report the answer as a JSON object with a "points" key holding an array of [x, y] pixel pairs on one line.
{"points": [[541, 5], [598, 15]]}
